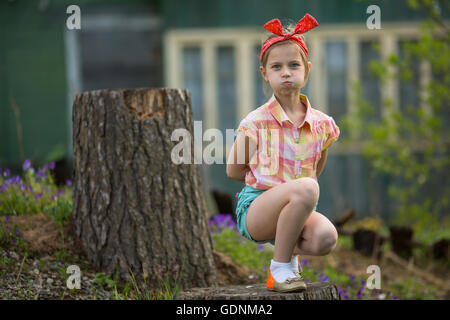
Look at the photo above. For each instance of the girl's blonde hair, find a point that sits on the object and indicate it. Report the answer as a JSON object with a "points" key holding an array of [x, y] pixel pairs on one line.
{"points": [[290, 26]]}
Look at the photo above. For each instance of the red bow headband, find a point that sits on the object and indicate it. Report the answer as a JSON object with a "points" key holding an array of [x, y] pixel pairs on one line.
{"points": [[274, 26]]}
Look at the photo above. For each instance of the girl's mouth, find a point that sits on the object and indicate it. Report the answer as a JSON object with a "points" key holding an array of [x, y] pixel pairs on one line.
{"points": [[287, 83]]}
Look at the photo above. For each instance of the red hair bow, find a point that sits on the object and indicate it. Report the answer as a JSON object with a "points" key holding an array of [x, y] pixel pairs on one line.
{"points": [[305, 24]]}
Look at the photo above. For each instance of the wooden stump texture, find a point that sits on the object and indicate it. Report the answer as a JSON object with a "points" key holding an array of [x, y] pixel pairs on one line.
{"points": [[134, 210], [315, 291]]}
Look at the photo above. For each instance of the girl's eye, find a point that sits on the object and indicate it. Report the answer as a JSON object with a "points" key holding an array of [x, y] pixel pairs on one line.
{"points": [[275, 66], [295, 65]]}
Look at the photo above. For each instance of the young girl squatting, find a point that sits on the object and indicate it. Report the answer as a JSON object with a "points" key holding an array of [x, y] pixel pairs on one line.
{"points": [[280, 150]]}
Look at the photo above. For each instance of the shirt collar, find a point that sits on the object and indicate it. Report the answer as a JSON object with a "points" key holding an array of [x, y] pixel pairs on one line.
{"points": [[280, 115]]}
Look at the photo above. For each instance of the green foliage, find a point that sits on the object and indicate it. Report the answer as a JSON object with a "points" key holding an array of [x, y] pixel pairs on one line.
{"points": [[59, 212], [10, 237], [132, 290], [242, 251], [410, 147], [30, 193], [412, 289], [104, 279]]}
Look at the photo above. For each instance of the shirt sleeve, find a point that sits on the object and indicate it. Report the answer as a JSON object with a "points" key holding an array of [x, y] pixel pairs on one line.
{"points": [[332, 133], [249, 128]]}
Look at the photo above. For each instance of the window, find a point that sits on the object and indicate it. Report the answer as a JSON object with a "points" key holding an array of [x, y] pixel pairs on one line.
{"points": [[192, 79], [409, 89], [260, 97], [221, 69], [336, 77], [226, 88], [369, 82]]}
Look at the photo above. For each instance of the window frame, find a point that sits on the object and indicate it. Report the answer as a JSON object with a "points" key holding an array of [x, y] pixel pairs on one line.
{"points": [[244, 39]]}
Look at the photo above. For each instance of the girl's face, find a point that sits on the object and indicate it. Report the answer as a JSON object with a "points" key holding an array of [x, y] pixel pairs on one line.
{"points": [[285, 70]]}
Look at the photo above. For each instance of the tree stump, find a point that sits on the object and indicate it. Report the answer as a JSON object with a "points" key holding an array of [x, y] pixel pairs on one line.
{"points": [[368, 242], [314, 291], [134, 210], [402, 241]]}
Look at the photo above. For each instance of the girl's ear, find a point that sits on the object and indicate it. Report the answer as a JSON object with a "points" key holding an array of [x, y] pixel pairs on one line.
{"points": [[263, 72], [309, 65]]}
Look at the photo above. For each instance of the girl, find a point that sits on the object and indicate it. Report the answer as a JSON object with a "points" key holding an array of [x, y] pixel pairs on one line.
{"points": [[280, 149]]}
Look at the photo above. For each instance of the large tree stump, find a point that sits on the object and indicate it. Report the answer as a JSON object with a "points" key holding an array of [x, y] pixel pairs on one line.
{"points": [[134, 210], [314, 291]]}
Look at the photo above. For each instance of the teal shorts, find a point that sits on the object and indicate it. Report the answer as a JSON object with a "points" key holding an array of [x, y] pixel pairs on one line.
{"points": [[245, 198]]}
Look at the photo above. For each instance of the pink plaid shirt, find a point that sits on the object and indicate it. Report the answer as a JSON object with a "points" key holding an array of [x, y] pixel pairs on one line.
{"points": [[285, 152]]}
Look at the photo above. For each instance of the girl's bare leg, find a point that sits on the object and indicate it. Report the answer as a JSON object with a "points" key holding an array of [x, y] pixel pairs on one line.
{"points": [[281, 213], [318, 237]]}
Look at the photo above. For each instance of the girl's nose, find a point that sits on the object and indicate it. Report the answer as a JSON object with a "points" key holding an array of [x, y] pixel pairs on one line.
{"points": [[286, 72]]}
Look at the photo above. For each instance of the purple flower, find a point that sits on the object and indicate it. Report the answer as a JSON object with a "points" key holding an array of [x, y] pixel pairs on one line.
{"points": [[352, 278], [52, 165], [324, 279], [13, 242], [17, 232], [260, 247], [40, 174], [13, 180], [26, 165], [38, 196], [6, 219], [7, 172], [54, 197], [222, 221], [358, 295], [68, 182], [304, 261]]}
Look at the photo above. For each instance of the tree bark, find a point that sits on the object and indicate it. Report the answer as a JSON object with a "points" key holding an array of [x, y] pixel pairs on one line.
{"points": [[134, 210], [315, 291]]}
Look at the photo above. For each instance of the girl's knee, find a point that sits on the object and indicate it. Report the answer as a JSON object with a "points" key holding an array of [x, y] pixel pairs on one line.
{"points": [[306, 191], [327, 241]]}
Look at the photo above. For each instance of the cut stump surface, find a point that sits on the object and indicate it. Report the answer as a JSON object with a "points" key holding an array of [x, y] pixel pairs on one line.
{"points": [[315, 291]]}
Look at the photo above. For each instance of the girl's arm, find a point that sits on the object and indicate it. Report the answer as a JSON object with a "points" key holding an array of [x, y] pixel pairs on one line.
{"points": [[322, 162], [242, 151]]}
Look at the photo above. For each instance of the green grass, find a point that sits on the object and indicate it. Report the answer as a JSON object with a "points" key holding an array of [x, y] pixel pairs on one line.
{"points": [[242, 251]]}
